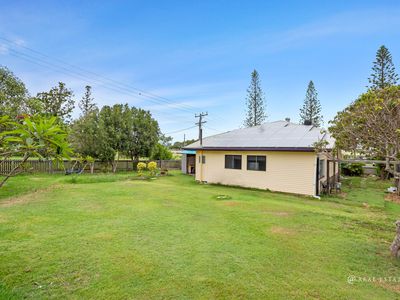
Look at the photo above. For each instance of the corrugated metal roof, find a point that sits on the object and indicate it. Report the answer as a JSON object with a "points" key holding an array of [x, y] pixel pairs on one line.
{"points": [[279, 135]]}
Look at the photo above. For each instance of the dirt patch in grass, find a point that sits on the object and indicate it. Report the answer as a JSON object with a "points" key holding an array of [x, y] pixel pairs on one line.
{"points": [[28, 197], [282, 230], [394, 287], [392, 197]]}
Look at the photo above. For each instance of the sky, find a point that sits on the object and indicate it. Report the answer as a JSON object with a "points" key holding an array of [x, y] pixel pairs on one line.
{"points": [[179, 58]]}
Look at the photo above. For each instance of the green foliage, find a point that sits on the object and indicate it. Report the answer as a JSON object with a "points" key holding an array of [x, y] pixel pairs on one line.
{"points": [[13, 94], [161, 152], [166, 140], [35, 136], [255, 102], [113, 131], [39, 137], [86, 104], [152, 166], [352, 169], [109, 132], [179, 145], [384, 74], [370, 124], [84, 135], [57, 102], [311, 110], [143, 134]]}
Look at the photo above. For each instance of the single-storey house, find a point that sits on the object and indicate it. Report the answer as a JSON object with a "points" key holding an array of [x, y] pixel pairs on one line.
{"points": [[279, 156]]}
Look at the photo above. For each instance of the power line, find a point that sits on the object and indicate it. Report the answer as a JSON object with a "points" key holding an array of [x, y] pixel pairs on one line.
{"points": [[181, 130], [106, 82], [88, 79], [138, 91], [53, 67], [118, 84]]}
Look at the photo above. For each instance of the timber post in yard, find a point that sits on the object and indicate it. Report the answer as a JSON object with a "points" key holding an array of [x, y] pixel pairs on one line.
{"points": [[334, 177], [328, 184]]}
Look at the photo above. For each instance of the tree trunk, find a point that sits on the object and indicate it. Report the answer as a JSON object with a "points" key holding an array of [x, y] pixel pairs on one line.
{"points": [[12, 172], [135, 161], [92, 168], [115, 163]]}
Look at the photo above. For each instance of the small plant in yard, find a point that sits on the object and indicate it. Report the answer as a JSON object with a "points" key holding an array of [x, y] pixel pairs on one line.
{"points": [[140, 168], [152, 166]]}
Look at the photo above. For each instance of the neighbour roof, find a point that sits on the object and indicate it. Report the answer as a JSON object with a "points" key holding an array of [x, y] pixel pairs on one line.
{"points": [[273, 136]]}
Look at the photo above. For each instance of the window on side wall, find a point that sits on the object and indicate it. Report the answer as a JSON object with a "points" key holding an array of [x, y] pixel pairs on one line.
{"points": [[321, 168], [233, 162], [256, 163], [203, 159]]}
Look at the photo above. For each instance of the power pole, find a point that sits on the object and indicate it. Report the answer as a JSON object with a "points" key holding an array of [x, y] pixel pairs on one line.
{"points": [[184, 140], [200, 123]]}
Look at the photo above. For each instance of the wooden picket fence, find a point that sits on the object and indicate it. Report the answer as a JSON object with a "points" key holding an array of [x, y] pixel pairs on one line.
{"points": [[48, 166]]}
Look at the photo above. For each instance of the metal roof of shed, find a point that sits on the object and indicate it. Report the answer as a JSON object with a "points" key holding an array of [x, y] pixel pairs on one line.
{"points": [[274, 136]]}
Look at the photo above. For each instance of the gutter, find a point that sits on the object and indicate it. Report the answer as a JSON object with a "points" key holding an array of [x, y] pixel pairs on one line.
{"points": [[295, 149]]}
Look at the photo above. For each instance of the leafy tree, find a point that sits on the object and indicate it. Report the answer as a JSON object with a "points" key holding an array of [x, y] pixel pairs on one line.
{"points": [[143, 134], [58, 102], [113, 132], [33, 106], [85, 130], [33, 137], [86, 104], [84, 135], [160, 152], [311, 110], [372, 124], [179, 145], [255, 102], [166, 140], [384, 74], [13, 94]]}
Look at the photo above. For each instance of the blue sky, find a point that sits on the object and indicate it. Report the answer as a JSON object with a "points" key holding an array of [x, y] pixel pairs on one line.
{"points": [[198, 55]]}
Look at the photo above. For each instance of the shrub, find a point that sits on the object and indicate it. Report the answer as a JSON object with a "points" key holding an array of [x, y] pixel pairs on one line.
{"points": [[152, 166], [381, 172], [140, 168], [352, 169], [161, 152]]}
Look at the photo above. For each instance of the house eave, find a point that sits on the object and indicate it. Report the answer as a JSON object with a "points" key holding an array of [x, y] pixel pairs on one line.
{"points": [[286, 149]]}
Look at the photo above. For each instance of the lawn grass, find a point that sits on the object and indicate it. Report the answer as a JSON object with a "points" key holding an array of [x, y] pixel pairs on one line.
{"points": [[112, 237]]}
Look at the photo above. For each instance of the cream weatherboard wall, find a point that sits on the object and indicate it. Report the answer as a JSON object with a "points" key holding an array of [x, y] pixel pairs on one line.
{"points": [[290, 172]]}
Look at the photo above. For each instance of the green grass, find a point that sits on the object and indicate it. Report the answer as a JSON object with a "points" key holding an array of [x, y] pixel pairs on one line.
{"points": [[112, 237]]}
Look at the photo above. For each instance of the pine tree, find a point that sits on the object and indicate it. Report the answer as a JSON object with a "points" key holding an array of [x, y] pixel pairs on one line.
{"points": [[384, 73], [86, 104], [255, 102], [311, 110]]}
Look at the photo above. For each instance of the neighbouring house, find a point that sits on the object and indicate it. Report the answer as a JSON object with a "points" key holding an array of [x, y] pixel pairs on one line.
{"points": [[278, 156]]}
